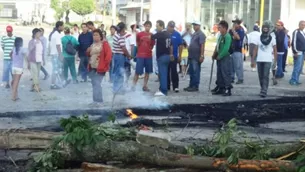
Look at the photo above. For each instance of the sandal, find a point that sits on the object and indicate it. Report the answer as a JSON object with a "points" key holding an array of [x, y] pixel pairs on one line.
{"points": [[146, 89]]}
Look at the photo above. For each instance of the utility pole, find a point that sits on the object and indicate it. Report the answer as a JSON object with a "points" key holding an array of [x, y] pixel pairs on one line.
{"points": [[270, 9], [113, 2], [261, 18]]}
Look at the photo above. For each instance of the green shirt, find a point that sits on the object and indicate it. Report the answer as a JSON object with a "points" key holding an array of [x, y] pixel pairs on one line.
{"points": [[223, 45], [110, 41], [64, 41], [7, 44]]}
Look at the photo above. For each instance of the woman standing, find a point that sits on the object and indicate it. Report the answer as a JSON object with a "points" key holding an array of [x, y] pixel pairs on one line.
{"points": [[36, 53], [99, 54], [18, 56], [265, 51]]}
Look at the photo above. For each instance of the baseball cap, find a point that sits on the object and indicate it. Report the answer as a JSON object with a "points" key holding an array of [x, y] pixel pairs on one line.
{"points": [[237, 21], [196, 23], [9, 29], [280, 23], [171, 24]]}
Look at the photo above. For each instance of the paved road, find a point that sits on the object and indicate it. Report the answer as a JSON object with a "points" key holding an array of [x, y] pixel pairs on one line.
{"points": [[80, 95]]}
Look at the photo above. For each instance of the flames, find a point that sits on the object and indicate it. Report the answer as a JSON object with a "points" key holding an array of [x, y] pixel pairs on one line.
{"points": [[131, 114]]}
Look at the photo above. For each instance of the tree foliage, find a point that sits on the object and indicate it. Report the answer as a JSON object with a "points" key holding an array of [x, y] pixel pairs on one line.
{"points": [[60, 7], [82, 7]]}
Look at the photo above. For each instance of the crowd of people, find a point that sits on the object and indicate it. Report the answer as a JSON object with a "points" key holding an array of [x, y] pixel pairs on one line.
{"points": [[160, 51]]}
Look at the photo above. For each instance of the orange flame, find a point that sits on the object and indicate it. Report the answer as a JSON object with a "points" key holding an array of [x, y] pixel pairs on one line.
{"points": [[131, 114]]}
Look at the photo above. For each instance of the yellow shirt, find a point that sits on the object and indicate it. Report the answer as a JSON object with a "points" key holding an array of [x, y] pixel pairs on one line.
{"points": [[185, 53]]}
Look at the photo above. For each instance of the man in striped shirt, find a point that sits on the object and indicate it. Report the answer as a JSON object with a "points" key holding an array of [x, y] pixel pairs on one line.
{"points": [[7, 43], [120, 53]]}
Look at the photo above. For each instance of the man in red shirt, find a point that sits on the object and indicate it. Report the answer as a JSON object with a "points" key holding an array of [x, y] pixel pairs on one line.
{"points": [[144, 55]]}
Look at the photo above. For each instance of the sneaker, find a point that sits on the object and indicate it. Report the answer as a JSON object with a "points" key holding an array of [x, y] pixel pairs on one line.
{"points": [[176, 90], [185, 89], [96, 104], [192, 89], [55, 87], [262, 95], [159, 93], [215, 89], [240, 82], [293, 83], [227, 92], [253, 69], [46, 77], [7, 86], [67, 82], [75, 82]]}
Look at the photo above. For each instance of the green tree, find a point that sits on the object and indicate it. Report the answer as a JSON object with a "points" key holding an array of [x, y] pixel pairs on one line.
{"points": [[82, 7], [61, 7]]}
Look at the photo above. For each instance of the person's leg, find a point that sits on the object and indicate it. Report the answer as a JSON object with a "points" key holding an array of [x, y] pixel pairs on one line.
{"points": [[34, 71], [6, 72], [44, 71], [284, 60], [266, 73], [72, 69], [279, 71], [66, 68], [191, 73], [139, 70], [197, 70], [148, 64], [174, 74], [96, 80], [119, 72], [127, 68], [110, 70], [225, 66], [163, 70], [239, 68], [234, 65], [14, 87], [301, 68], [169, 71], [219, 80], [260, 72], [297, 65]]}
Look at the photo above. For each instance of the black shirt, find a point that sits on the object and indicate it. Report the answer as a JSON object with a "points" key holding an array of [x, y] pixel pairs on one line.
{"points": [[163, 43]]}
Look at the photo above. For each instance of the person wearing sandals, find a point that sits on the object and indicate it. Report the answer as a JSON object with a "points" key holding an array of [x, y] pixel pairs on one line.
{"points": [[36, 53], [18, 56], [144, 55], [100, 55]]}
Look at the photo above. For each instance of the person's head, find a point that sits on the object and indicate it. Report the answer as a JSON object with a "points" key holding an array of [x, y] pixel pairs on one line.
{"points": [[147, 26], [18, 44], [112, 30], [256, 28], [90, 25], [67, 31], [188, 26], [9, 31], [184, 43], [134, 27], [42, 31], [257, 23], [267, 27], [97, 35], [102, 26], [84, 27], [104, 34], [196, 25], [121, 27], [75, 26], [302, 25], [237, 23], [36, 33], [279, 25], [59, 26], [160, 25], [223, 27], [171, 26]]}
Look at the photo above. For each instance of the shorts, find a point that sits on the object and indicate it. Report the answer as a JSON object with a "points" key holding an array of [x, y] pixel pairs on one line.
{"points": [[17, 71], [183, 61], [142, 63], [56, 65]]}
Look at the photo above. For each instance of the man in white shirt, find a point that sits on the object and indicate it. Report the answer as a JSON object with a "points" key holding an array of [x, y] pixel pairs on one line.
{"points": [[56, 52], [253, 38], [130, 43]]}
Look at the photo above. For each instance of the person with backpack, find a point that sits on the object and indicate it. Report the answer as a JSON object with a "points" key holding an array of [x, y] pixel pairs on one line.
{"points": [[70, 45], [238, 34], [222, 55]]}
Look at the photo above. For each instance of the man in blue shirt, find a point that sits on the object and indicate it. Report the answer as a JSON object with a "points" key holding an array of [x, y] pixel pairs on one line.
{"points": [[238, 34], [176, 40], [85, 40]]}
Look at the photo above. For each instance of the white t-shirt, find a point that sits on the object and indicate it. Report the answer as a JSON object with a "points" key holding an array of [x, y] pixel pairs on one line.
{"points": [[129, 40], [39, 51], [253, 37], [265, 53], [55, 40]]}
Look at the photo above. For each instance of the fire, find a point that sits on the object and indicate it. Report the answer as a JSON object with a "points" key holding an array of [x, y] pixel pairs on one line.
{"points": [[131, 114]]}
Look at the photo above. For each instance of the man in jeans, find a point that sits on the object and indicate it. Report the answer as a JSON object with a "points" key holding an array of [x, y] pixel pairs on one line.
{"points": [[164, 55], [280, 46], [196, 57], [298, 48], [176, 40], [238, 34], [120, 53]]}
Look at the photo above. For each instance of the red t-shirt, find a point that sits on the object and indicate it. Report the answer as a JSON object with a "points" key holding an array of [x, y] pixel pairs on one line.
{"points": [[145, 45]]}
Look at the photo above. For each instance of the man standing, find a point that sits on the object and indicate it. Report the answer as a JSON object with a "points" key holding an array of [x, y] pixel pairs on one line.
{"points": [[7, 43], [176, 41], [280, 45], [253, 37], [91, 26], [196, 57], [298, 48], [120, 53], [56, 53], [164, 54], [110, 41], [130, 42], [222, 55], [187, 36], [238, 35], [44, 41], [85, 40], [144, 55]]}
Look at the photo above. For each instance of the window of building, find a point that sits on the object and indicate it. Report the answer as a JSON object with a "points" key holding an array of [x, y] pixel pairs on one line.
{"points": [[6, 12]]}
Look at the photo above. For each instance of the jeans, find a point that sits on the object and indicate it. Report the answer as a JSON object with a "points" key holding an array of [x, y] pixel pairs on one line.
{"points": [[163, 62], [69, 63], [83, 67], [279, 71], [297, 68], [7, 70], [96, 81], [194, 72], [224, 73], [110, 69], [172, 75], [118, 72], [237, 66], [284, 60], [263, 70]]}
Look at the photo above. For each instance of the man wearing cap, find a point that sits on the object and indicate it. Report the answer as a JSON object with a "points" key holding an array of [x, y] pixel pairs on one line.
{"points": [[280, 45], [238, 35], [196, 57], [177, 42], [7, 43]]}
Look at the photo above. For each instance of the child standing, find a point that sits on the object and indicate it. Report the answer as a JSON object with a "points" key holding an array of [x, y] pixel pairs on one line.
{"points": [[18, 56], [184, 58]]}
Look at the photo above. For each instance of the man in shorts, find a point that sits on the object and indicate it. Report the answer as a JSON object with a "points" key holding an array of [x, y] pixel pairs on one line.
{"points": [[144, 55]]}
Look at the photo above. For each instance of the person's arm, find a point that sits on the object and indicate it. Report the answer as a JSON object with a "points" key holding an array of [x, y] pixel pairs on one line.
{"points": [[58, 47], [180, 47], [225, 49], [294, 41], [202, 39], [236, 36], [107, 52], [2, 43], [123, 46]]}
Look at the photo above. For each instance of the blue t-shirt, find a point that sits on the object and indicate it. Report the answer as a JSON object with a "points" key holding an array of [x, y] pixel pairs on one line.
{"points": [[85, 41], [238, 44], [176, 40]]}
